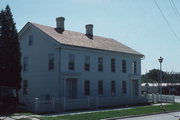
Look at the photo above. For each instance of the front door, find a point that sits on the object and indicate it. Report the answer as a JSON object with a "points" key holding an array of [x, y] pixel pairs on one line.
{"points": [[71, 88]]}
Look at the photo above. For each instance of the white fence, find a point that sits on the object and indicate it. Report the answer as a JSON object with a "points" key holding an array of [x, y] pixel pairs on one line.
{"points": [[56, 105], [155, 98]]}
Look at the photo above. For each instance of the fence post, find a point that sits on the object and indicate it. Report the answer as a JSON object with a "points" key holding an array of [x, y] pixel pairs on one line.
{"points": [[153, 98], [173, 98], [36, 105], [157, 97]]}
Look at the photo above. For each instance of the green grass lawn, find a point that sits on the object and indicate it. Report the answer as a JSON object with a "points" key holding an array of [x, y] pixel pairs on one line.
{"points": [[116, 113]]}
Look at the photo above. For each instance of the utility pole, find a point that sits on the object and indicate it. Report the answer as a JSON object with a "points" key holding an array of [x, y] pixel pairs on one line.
{"points": [[160, 61]]}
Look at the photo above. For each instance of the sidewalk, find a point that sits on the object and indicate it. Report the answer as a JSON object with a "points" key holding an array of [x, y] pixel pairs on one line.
{"points": [[37, 117], [98, 110], [16, 117]]}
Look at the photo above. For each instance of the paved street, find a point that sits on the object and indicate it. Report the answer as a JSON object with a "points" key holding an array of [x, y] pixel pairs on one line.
{"points": [[165, 116]]}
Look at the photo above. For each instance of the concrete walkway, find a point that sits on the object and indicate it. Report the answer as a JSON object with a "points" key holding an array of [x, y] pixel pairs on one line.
{"points": [[35, 117], [16, 117], [98, 110]]}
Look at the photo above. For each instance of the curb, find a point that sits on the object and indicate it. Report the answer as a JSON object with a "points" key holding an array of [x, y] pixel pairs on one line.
{"points": [[123, 117]]}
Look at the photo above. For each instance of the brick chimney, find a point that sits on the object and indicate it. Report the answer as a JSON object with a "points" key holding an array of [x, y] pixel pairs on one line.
{"points": [[60, 23], [89, 29]]}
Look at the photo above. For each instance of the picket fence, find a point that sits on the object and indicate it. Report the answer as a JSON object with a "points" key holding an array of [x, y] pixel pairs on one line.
{"points": [[61, 104]]}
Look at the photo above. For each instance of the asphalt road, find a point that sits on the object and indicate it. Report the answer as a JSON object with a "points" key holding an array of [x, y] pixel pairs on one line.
{"points": [[165, 116]]}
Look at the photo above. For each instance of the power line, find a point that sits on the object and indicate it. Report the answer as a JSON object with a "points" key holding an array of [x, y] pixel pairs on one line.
{"points": [[171, 28], [174, 9]]}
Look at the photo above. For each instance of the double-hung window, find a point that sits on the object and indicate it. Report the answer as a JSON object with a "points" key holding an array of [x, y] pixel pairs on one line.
{"points": [[124, 66], [100, 87], [86, 87], [113, 87]]}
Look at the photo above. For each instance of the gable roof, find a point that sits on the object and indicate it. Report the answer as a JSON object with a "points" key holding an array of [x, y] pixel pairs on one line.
{"points": [[81, 40]]}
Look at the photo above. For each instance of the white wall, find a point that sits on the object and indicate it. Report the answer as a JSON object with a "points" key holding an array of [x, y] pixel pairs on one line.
{"points": [[94, 75], [40, 80]]}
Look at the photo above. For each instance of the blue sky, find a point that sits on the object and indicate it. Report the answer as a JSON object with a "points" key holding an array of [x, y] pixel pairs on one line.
{"points": [[135, 23]]}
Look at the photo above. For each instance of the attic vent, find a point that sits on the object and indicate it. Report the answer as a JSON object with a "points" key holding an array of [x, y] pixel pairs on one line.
{"points": [[89, 30], [60, 23]]}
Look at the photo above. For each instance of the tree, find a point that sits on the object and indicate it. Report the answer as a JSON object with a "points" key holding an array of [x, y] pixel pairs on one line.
{"points": [[10, 66]]}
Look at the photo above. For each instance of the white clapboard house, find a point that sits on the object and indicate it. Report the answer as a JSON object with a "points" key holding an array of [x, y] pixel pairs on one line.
{"points": [[76, 70]]}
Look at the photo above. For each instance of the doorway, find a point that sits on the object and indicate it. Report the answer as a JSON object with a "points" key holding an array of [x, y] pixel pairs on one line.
{"points": [[71, 88]]}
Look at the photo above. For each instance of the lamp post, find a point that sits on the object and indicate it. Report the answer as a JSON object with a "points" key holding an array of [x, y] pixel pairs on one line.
{"points": [[160, 61]]}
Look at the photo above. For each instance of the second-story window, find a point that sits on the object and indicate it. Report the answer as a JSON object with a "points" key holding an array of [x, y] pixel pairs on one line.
{"points": [[87, 63], [25, 63], [71, 62], [113, 69], [124, 66], [100, 64], [134, 68], [30, 41], [51, 62]]}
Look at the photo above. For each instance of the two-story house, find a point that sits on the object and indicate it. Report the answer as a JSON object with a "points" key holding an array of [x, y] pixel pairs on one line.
{"points": [[58, 63]]}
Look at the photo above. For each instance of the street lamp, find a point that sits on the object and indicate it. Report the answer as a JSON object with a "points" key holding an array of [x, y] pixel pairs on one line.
{"points": [[160, 61]]}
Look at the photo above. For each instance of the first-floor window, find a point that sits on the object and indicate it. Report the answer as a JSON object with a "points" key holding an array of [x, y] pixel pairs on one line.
{"points": [[25, 87], [113, 87], [100, 87], [86, 88], [124, 89]]}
